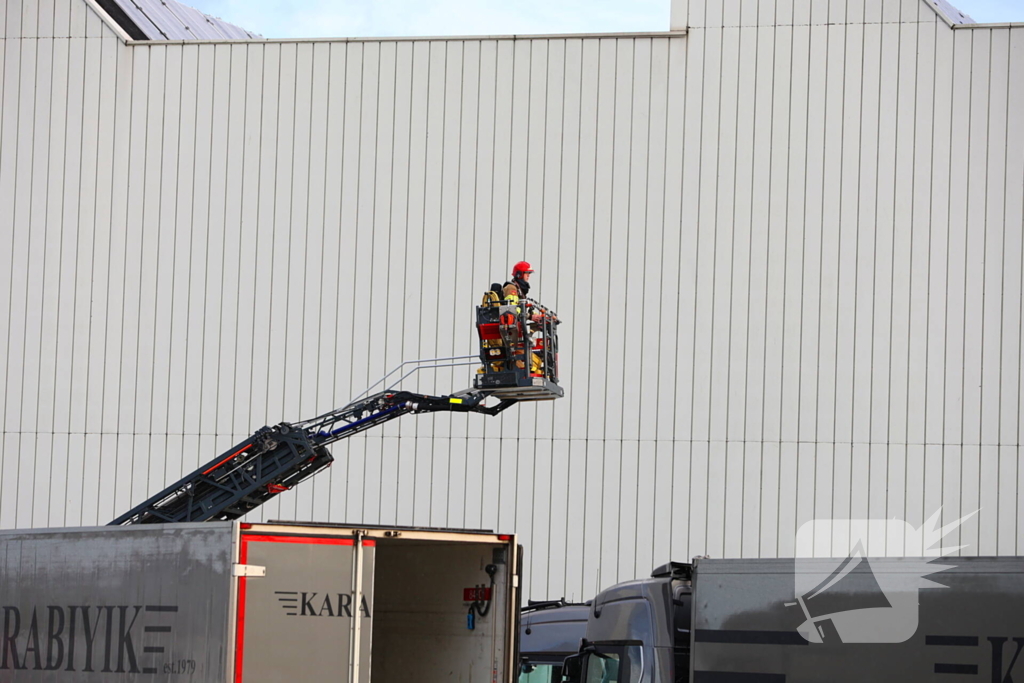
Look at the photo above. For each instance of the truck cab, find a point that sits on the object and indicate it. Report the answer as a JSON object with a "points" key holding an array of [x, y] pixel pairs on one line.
{"points": [[638, 631], [549, 631]]}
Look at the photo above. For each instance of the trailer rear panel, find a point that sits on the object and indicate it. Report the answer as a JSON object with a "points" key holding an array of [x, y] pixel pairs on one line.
{"points": [[300, 616]]}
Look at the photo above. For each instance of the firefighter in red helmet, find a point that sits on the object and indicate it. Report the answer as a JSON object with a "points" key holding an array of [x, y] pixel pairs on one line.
{"points": [[519, 286], [514, 290]]}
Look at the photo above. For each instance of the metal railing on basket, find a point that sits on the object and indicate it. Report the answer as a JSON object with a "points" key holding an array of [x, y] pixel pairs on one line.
{"points": [[465, 360]]}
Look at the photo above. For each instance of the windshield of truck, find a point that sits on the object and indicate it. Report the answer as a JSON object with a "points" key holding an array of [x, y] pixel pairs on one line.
{"points": [[541, 673], [622, 664]]}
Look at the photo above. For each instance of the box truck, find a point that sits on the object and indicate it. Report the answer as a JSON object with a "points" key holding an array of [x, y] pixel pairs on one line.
{"points": [[231, 602], [810, 620]]}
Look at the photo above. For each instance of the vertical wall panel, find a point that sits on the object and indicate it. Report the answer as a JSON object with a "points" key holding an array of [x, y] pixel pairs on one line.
{"points": [[649, 551], [976, 92], [12, 18], [705, 204], [80, 212], [291, 321], [279, 183], [670, 330], [243, 345], [229, 270], [842, 484], [902, 200], [194, 222], [8, 137], [604, 61], [847, 218], [679, 473], [753, 494], [723, 254], [359, 297], [415, 276], [581, 70], [806, 193], [992, 275], [1011, 403], [698, 496], [786, 246], [921, 227], [632, 258], [162, 218], [768, 529], [757, 266], [316, 327], [658, 255], [865, 203], [29, 208], [65, 161], [914, 503], [734, 500], [831, 132], [775, 212], [1008, 469], [549, 228], [954, 316]]}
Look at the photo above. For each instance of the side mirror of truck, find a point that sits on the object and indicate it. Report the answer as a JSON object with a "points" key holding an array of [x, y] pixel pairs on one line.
{"points": [[572, 669]]}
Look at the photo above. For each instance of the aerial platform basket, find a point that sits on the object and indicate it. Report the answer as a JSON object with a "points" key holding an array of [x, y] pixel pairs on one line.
{"points": [[519, 351]]}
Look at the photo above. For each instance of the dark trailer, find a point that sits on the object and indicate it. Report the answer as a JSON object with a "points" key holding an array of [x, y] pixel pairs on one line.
{"points": [[964, 623], [856, 620]]}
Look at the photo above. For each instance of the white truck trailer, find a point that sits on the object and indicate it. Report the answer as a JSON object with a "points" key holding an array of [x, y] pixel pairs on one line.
{"points": [[231, 602]]}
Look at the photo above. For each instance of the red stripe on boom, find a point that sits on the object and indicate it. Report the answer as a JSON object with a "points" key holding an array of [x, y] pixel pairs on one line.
{"points": [[240, 450]]}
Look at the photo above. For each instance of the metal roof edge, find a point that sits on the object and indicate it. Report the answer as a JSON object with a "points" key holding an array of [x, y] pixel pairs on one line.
{"points": [[1009, 24], [109, 21], [939, 7], [389, 39]]}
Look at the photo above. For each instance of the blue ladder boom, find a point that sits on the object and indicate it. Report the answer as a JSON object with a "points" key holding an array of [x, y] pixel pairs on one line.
{"points": [[275, 459]]}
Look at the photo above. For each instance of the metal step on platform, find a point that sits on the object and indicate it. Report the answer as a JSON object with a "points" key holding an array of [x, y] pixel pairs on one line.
{"points": [[528, 389]]}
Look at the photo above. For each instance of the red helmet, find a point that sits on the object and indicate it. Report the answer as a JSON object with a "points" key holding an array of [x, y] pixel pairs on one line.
{"points": [[521, 267]]}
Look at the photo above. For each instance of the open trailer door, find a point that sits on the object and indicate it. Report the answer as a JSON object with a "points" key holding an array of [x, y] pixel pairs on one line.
{"points": [[433, 605]]}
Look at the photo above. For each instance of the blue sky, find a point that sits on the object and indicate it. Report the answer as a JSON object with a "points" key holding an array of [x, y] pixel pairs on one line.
{"points": [[341, 18]]}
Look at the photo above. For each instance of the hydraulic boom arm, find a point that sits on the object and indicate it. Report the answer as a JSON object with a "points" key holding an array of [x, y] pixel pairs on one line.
{"points": [[275, 459]]}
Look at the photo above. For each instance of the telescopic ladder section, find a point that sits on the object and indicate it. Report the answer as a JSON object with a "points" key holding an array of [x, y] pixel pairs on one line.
{"points": [[249, 474], [275, 459]]}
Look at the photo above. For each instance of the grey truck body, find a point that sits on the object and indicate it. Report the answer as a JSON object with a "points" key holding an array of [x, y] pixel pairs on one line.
{"points": [[750, 621], [226, 602]]}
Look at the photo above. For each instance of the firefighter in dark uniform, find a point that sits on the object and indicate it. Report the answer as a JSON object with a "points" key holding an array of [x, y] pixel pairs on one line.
{"points": [[514, 290]]}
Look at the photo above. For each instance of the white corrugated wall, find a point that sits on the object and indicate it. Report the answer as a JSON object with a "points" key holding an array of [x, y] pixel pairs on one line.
{"points": [[787, 245]]}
